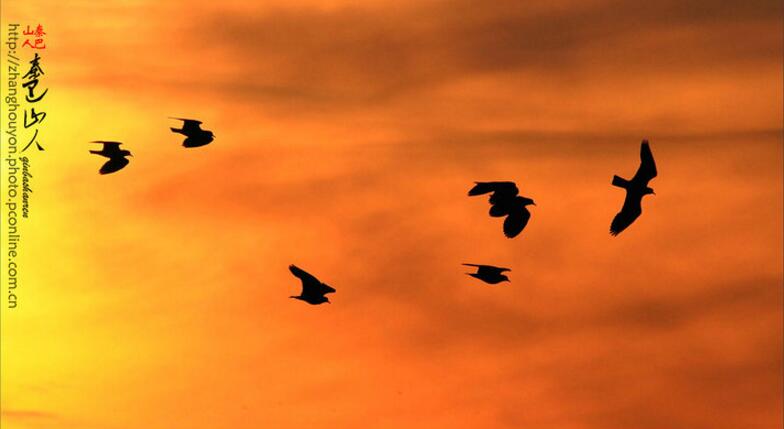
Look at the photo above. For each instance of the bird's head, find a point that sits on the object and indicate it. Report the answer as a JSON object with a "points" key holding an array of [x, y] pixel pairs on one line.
{"points": [[528, 202], [505, 279], [649, 190], [126, 153]]}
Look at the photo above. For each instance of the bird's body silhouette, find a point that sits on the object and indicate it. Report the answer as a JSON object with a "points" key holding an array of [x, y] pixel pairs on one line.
{"points": [[505, 201], [489, 274], [117, 157], [195, 135], [636, 188], [313, 290]]}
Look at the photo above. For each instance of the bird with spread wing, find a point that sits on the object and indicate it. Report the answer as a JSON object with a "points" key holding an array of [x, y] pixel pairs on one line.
{"points": [[313, 290], [636, 188], [195, 136], [489, 274], [505, 201], [117, 157]]}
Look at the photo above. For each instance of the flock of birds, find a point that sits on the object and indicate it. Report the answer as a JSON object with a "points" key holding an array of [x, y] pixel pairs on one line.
{"points": [[191, 129], [505, 201]]}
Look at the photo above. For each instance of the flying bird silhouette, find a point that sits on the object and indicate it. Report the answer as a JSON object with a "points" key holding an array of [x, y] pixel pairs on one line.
{"points": [[116, 156], [313, 290], [195, 135], [635, 190], [504, 201], [489, 274]]}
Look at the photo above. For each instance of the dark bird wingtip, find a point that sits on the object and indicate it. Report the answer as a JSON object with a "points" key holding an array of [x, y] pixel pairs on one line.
{"points": [[512, 232], [479, 188], [185, 119], [179, 119]]}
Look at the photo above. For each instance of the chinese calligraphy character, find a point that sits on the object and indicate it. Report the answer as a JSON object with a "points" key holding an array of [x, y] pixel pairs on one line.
{"points": [[38, 117], [30, 82], [35, 71], [38, 39], [31, 142], [38, 32]]}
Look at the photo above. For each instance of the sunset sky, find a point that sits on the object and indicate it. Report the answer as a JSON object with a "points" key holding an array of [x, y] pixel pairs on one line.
{"points": [[347, 136]]}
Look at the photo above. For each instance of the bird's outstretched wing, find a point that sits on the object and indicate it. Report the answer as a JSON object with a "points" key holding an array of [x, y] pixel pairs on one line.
{"points": [[507, 188], [325, 289], [303, 275], [189, 125], [113, 164], [197, 141], [488, 267], [196, 121], [647, 170], [516, 221], [109, 148], [310, 284], [631, 210]]}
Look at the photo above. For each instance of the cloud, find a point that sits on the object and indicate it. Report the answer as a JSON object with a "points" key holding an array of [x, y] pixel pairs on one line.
{"points": [[566, 65], [356, 55]]}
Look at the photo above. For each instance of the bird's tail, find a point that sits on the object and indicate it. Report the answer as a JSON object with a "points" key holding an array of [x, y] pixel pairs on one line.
{"points": [[97, 152], [620, 182], [176, 130]]}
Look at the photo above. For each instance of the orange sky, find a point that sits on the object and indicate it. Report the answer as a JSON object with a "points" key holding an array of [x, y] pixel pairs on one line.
{"points": [[348, 134]]}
